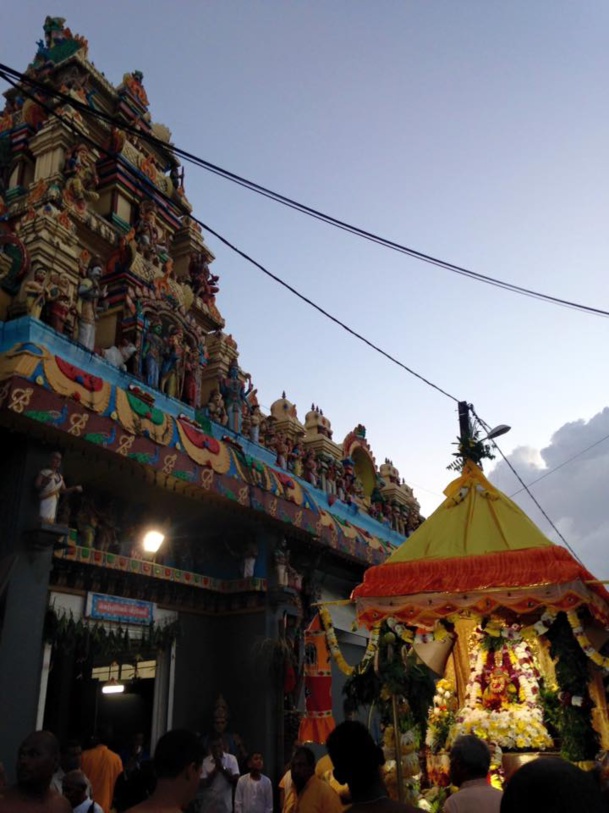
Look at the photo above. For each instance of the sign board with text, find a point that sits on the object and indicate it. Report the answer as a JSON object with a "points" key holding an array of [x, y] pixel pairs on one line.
{"points": [[101, 607]]}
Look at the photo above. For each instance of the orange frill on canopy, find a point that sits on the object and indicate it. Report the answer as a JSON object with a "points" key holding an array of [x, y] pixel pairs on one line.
{"points": [[477, 552]]}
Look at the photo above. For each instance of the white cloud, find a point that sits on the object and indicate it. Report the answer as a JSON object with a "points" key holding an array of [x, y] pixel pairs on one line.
{"points": [[575, 496]]}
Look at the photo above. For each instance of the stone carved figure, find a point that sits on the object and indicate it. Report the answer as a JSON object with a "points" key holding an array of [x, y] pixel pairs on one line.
{"points": [[50, 485], [90, 292]]}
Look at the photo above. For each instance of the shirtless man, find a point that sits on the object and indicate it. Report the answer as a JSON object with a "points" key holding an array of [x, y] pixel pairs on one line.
{"points": [[37, 761], [177, 762], [357, 761]]}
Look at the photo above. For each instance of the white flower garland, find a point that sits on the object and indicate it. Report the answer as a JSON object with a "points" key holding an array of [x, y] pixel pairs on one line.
{"points": [[371, 647], [517, 725], [585, 643]]}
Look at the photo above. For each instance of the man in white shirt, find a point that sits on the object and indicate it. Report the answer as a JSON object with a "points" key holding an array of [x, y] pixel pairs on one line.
{"points": [[254, 792], [76, 790], [219, 774]]}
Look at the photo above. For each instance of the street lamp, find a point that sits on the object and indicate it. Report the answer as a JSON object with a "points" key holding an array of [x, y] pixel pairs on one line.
{"points": [[497, 431], [152, 541]]}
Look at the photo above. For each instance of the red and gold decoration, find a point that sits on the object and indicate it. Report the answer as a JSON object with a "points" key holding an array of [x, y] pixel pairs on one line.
{"points": [[318, 721]]}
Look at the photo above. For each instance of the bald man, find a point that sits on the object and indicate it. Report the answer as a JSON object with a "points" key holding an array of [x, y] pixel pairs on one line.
{"points": [[37, 761], [76, 790]]}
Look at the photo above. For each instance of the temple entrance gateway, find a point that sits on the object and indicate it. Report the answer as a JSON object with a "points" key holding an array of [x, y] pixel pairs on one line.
{"points": [[102, 675]]}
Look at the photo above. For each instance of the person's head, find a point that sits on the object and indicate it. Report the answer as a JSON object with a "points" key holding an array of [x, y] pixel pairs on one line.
{"points": [[37, 761], [177, 760], [216, 747], [470, 758], [70, 758], [75, 787], [551, 785], [354, 754], [101, 736], [55, 461], [255, 762], [137, 742], [302, 766]]}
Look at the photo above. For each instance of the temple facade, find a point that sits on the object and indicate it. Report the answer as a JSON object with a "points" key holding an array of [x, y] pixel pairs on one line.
{"points": [[124, 411]]}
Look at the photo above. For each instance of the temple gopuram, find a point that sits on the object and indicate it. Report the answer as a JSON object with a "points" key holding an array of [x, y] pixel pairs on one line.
{"points": [[165, 539]]}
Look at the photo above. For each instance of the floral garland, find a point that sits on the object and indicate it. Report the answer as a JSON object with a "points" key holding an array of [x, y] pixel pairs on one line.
{"points": [[345, 668], [516, 722], [583, 640], [442, 715]]}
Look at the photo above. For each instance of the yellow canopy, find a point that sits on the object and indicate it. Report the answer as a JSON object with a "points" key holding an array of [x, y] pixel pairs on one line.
{"points": [[475, 518]]}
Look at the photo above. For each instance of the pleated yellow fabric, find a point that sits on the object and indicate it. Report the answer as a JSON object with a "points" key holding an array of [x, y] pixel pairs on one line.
{"points": [[475, 518]]}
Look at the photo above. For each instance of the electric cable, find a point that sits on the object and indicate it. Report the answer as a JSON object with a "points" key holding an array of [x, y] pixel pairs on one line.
{"points": [[524, 485], [301, 296], [560, 465], [5, 71], [140, 177]]}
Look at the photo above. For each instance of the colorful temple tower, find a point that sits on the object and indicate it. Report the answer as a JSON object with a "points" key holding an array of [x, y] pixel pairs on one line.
{"points": [[114, 353]]}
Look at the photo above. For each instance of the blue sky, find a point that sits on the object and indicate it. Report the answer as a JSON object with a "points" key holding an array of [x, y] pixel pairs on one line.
{"points": [[473, 131]]}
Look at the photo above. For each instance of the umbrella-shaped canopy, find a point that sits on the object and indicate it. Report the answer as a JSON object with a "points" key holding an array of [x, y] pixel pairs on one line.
{"points": [[478, 552]]}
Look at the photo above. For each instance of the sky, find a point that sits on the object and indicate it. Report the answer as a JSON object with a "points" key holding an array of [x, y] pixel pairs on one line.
{"points": [[477, 132]]}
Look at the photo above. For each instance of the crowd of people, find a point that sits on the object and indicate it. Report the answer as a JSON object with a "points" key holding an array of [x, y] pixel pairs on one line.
{"points": [[180, 778]]}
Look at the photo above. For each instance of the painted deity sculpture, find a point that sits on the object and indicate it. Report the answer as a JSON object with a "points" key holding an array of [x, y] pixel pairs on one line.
{"points": [[216, 409], [255, 420], [32, 294], [204, 284], [147, 234], [59, 306], [172, 369], [152, 354], [249, 560], [81, 177], [231, 741], [90, 292], [280, 445], [309, 465], [282, 562], [50, 485], [235, 395]]}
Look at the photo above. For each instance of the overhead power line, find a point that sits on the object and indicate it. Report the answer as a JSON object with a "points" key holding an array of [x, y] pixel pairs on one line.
{"points": [[560, 465], [524, 485], [140, 177], [6, 71]]}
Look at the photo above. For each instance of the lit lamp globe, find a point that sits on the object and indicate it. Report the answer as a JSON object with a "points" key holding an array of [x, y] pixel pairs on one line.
{"points": [[113, 687], [152, 541]]}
